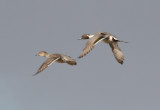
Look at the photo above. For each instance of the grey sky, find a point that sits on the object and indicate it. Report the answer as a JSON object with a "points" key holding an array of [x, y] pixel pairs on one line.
{"points": [[98, 82]]}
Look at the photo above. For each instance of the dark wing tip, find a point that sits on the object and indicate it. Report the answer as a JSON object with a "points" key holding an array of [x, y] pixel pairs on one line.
{"points": [[80, 57], [35, 74], [121, 62], [72, 62], [75, 63], [84, 54]]}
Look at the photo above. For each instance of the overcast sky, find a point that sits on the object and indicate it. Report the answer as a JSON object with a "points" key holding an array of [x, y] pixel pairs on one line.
{"points": [[98, 82]]}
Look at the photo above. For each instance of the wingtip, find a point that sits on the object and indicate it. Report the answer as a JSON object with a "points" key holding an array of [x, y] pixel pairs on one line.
{"points": [[80, 57], [35, 74], [74, 63], [121, 62]]}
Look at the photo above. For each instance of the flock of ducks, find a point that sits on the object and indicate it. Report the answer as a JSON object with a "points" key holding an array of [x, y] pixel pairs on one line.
{"points": [[93, 39]]}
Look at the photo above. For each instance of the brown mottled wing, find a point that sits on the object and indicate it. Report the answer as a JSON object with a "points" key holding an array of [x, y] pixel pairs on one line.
{"points": [[45, 64], [117, 52], [90, 44]]}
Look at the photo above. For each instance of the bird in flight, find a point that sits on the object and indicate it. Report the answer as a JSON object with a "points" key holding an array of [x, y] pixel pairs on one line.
{"points": [[60, 58], [105, 37]]}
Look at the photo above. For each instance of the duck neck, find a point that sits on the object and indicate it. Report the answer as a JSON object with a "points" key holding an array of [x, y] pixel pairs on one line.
{"points": [[47, 55], [90, 36]]}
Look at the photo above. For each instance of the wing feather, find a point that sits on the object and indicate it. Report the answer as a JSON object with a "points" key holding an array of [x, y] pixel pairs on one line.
{"points": [[118, 54], [90, 44], [46, 63]]}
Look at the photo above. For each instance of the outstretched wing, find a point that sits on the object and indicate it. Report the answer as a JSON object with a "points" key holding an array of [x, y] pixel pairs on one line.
{"points": [[46, 63], [117, 52], [90, 44]]}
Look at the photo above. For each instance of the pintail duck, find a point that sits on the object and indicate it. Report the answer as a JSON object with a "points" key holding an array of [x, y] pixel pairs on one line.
{"points": [[60, 58], [106, 38]]}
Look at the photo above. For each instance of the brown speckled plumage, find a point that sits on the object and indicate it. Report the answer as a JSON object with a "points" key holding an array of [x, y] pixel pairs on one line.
{"points": [[60, 58]]}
